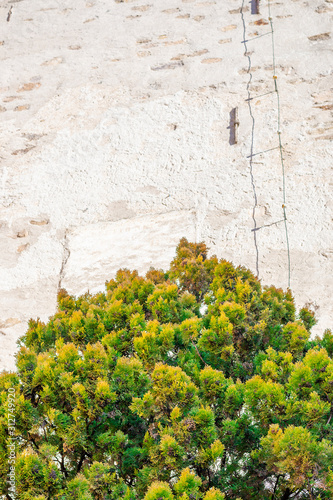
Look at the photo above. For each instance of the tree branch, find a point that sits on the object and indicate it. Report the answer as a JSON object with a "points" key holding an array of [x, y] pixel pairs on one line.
{"points": [[83, 456], [277, 481]]}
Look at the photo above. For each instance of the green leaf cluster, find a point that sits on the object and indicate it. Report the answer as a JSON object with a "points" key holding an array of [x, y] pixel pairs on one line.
{"points": [[192, 384]]}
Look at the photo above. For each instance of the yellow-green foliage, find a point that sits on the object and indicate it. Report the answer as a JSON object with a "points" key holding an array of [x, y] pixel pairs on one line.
{"points": [[188, 483], [159, 491], [214, 494], [295, 335], [217, 336], [191, 384], [297, 454], [265, 399]]}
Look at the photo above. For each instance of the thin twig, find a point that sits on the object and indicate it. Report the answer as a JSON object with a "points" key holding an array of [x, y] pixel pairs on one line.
{"points": [[195, 347]]}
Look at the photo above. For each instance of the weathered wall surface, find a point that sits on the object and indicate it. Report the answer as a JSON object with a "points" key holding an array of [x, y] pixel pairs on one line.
{"points": [[115, 143]]}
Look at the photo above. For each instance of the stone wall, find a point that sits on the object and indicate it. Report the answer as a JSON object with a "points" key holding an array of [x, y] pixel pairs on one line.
{"points": [[115, 142]]}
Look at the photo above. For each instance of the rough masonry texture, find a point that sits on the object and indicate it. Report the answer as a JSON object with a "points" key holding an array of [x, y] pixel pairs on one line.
{"points": [[115, 143]]}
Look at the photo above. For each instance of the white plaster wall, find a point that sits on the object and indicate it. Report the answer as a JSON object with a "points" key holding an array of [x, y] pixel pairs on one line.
{"points": [[115, 143]]}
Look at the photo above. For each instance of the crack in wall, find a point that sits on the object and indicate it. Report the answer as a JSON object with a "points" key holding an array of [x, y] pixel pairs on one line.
{"points": [[65, 258]]}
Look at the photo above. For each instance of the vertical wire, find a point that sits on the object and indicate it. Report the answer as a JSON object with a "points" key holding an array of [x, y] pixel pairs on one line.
{"points": [[280, 142]]}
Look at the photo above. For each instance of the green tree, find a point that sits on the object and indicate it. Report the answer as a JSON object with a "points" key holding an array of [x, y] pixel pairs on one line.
{"points": [[192, 384]]}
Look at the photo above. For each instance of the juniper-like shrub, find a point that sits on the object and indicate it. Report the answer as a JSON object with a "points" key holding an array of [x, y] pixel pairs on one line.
{"points": [[192, 384]]}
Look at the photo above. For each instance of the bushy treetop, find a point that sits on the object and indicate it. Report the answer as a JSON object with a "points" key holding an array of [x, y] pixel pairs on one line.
{"points": [[192, 384]]}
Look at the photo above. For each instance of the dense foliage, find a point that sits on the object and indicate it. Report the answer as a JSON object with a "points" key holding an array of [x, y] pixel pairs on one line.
{"points": [[190, 384]]}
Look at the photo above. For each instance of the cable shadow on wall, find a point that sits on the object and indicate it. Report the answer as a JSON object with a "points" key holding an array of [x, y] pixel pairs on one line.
{"points": [[248, 100]]}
